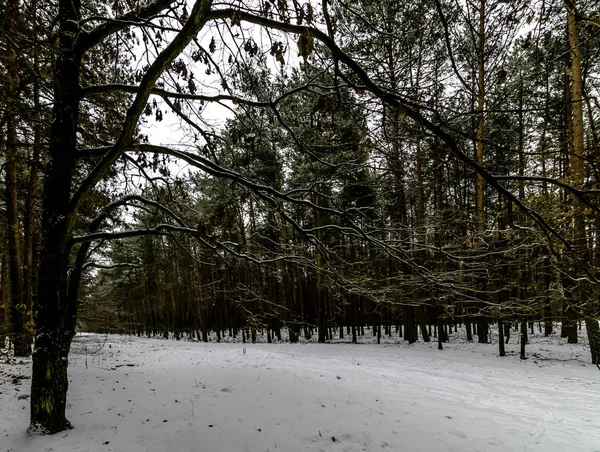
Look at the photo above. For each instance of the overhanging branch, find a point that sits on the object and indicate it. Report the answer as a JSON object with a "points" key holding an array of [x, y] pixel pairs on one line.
{"points": [[395, 100], [197, 20], [89, 39]]}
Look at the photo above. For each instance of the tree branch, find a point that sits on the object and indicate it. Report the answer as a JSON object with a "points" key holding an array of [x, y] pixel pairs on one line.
{"points": [[579, 194], [89, 39], [395, 100], [197, 20]]}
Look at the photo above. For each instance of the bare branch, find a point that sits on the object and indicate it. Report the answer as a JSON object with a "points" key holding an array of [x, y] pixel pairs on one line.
{"points": [[89, 39], [198, 18]]}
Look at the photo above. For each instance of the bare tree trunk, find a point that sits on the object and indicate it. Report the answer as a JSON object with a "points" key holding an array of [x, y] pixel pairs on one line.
{"points": [[55, 313], [577, 169], [4, 294], [593, 333], [482, 321], [523, 339], [29, 231], [19, 312], [501, 349], [479, 132]]}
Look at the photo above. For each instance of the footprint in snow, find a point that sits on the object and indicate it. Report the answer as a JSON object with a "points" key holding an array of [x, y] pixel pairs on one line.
{"points": [[458, 434]]}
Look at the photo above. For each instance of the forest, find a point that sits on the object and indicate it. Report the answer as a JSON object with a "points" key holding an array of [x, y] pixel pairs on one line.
{"points": [[196, 169]]}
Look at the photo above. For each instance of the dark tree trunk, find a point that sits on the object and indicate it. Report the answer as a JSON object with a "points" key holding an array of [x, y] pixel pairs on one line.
{"points": [[547, 328], [593, 332], [440, 330], [55, 312], [422, 326], [564, 329], [469, 331], [570, 326], [523, 338], [4, 296], [501, 349], [410, 325], [424, 332], [354, 309], [19, 309], [482, 330]]}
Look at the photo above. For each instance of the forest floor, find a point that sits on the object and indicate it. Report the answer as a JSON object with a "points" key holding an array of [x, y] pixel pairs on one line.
{"points": [[131, 394]]}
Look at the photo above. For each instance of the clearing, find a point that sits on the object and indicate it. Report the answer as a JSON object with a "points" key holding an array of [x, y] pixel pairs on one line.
{"points": [[131, 394]]}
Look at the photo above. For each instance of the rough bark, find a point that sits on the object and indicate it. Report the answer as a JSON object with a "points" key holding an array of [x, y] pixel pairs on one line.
{"points": [[19, 311], [55, 319], [578, 172], [29, 219]]}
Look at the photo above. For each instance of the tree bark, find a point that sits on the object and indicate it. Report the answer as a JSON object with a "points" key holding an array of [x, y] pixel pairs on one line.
{"points": [[30, 233], [501, 350], [479, 132], [56, 310], [577, 171], [524, 339], [55, 314], [19, 311], [482, 323], [593, 332]]}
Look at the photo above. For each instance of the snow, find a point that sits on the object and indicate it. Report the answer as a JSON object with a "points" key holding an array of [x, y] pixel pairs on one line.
{"points": [[135, 394]]}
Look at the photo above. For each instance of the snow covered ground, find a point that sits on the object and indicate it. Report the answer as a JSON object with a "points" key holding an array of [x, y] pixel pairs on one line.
{"points": [[132, 394]]}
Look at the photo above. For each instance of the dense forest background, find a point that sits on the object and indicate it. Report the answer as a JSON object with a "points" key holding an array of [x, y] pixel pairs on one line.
{"points": [[315, 167]]}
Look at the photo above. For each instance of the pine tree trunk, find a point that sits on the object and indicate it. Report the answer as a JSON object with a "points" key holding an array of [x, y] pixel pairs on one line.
{"points": [[523, 339], [482, 330], [440, 331], [469, 331], [30, 235], [55, 311], [410, 325], [501, 350], [593, 333], [480, 129], [422, 325], [547, 328], [19, 311], [577, 157], [4, 295], [50, 383]]}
